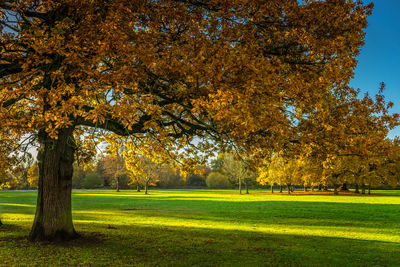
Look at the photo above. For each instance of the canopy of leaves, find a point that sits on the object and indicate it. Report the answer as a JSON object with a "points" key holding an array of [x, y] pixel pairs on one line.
{"points": [[165, 71]]}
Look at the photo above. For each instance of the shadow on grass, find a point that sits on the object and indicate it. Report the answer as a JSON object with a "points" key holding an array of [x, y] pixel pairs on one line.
{"points": [[183, 246]]}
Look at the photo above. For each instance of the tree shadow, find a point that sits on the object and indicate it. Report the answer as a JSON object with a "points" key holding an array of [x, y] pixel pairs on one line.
{"points": [[188, 246]]}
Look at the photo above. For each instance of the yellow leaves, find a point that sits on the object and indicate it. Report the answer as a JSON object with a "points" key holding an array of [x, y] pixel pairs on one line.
{"points": [[238, 74]]}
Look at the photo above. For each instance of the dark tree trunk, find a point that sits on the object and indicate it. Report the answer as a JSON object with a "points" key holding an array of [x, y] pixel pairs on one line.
{"points": [[319, 187], [288, 189], [363, 188], [305, 188], [272, 188], [344, 187], [53, 218], [145, 187], [247, 188], [335, 190], [369, 189], [240, 186], [117, 183], [137, 187], [357, 189], [312, 188], [280, 188]]}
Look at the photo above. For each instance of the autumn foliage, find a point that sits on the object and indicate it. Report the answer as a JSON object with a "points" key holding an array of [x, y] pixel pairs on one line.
{"points": [[258, 75]]}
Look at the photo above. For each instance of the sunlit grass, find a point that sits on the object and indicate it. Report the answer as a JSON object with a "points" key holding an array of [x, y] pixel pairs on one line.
{"points": [[213, 228]]}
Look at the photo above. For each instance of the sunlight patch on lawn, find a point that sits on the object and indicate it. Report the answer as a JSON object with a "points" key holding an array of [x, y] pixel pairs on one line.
{"points": [[18, 205], [359, 233]]}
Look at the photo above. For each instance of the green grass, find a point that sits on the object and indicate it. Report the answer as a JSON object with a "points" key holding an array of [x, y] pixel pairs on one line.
{"points": [[210, 228]]}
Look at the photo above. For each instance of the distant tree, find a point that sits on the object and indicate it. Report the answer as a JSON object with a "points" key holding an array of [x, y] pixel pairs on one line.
{"points": [[237, 171], [282, 170], [78, 176], [115, 169], [217, 180], [143, 169], [33, 175], [169, 178]]}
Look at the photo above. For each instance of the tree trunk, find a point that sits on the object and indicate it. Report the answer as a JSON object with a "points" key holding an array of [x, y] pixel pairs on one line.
{"points": [[137, 187], [363, 188], [369, 189], [305, 188], [312, 188], [145, 187], [280, 189], [53, 218], [272, 188], [335, 190], [357, 189], [247, 188], [344, 187], [240, 186], [288, 189], [117, 183], [325, 188], [319, 187]]}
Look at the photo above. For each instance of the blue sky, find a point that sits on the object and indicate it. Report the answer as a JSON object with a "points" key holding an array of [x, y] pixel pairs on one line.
{"points": [[379, 60]]}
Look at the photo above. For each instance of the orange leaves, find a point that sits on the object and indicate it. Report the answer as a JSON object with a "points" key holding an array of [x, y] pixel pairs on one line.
{"points": [[247, 71]]}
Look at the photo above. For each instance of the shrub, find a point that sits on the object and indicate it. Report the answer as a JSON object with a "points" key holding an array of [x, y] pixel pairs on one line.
{"points": [[217, 180], [93, 180], [195, 180]]}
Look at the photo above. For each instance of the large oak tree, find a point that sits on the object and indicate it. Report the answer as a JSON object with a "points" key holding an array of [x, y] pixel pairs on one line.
{"points": [[164, 70]]}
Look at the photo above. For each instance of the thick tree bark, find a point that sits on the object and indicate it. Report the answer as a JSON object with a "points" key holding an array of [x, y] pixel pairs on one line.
{"points": [[145, 187], [53, 218], [272, 188]]}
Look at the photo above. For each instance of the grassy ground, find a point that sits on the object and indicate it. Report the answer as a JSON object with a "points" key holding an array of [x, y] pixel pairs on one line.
{"points": [[206, 228]]}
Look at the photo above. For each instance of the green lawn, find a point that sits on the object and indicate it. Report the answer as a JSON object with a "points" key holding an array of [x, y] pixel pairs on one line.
{"points": [[206, 228]]}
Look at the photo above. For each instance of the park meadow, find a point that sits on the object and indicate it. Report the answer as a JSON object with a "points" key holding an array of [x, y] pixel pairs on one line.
{"points": [[147, 132], [210, 228]]}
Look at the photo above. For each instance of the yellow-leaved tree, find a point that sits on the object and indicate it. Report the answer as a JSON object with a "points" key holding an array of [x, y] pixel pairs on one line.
{"points": [[164, 72]]}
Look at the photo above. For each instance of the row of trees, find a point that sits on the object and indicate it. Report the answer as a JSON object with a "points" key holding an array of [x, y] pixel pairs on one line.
{"points": [[226, 171]]}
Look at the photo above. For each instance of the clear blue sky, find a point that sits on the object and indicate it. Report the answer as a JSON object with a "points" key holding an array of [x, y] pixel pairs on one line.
{"points": [[379, 60]]}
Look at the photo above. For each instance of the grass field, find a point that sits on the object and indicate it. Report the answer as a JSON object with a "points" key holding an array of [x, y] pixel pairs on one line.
{"points": [[206, 228]]}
